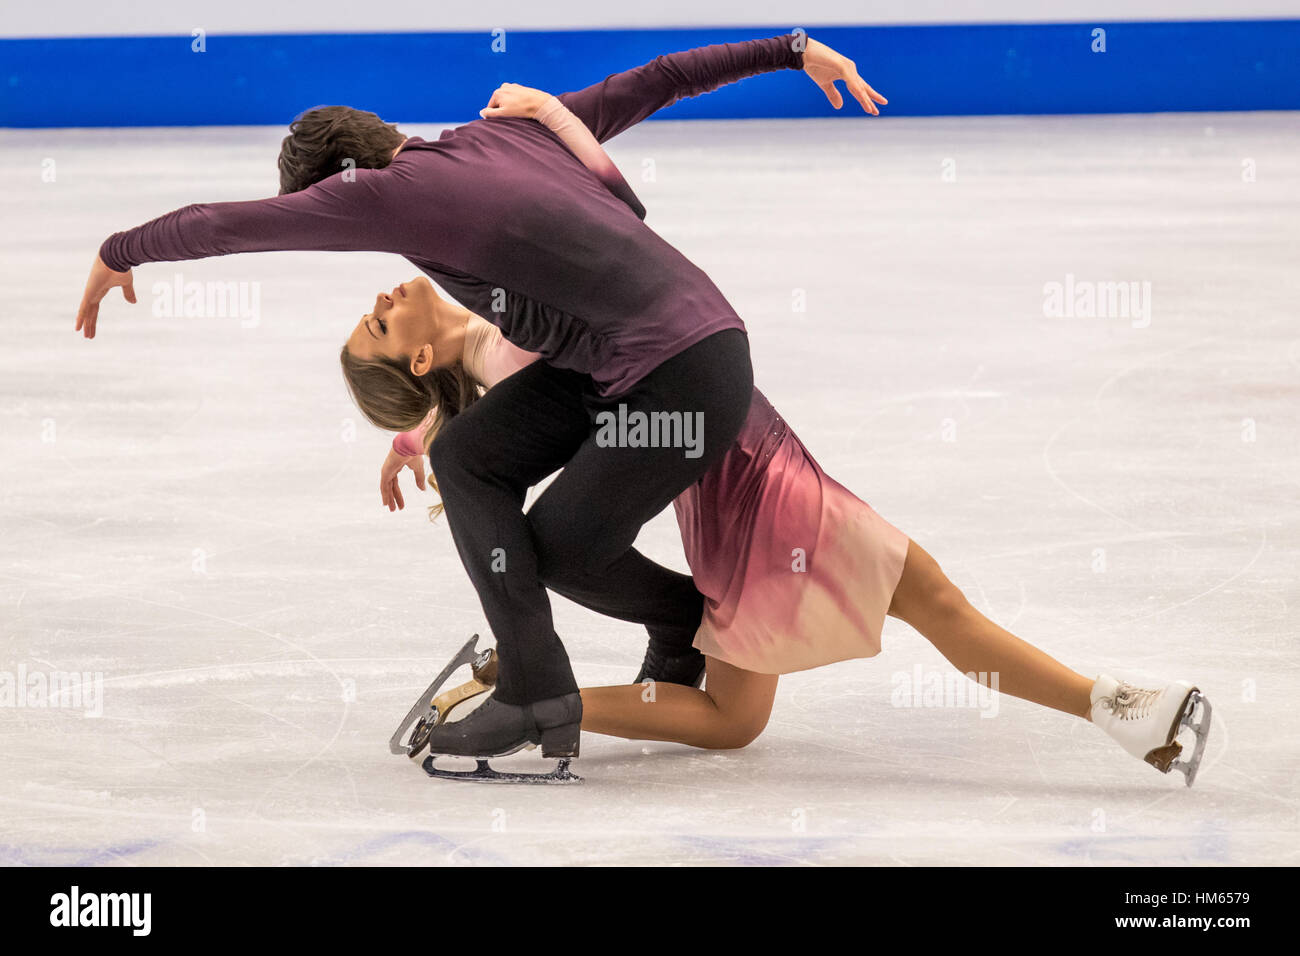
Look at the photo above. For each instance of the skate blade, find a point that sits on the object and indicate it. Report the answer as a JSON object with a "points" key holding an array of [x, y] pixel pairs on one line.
{"points": [[423, 708], [483, 682], [1195, 716], [484, 773]]}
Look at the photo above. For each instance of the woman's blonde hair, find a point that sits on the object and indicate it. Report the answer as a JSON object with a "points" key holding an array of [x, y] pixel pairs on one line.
{"points": [[394, 398]]}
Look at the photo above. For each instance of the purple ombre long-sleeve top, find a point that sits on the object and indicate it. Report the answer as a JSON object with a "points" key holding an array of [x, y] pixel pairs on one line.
{"points": [[506, 219]]}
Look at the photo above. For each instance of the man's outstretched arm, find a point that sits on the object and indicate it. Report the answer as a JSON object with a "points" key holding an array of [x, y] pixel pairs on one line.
{"points": [[332, 215], [625, 99]]}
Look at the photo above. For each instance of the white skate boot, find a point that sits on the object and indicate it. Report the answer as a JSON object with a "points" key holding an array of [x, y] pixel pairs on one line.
{"points": [[1147, 723]]}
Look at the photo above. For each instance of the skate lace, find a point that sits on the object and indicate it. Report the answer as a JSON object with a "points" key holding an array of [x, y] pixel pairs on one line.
{"points": [[1129, 702]]}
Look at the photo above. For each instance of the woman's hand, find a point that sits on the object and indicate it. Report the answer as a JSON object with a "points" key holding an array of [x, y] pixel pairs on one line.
{"points": [[389, 487], [511, 99], [826, 66], [102, 281]]}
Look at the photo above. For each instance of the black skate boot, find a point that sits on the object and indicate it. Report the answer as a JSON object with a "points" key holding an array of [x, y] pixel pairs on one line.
{"points": [[671, 666], [498, 729]]}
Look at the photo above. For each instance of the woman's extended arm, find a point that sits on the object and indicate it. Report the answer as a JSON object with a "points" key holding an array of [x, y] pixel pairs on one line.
{"points": [[511, 99]]}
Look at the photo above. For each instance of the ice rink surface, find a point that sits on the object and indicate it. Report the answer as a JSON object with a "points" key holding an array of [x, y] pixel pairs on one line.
{"points": [[189, 511]]}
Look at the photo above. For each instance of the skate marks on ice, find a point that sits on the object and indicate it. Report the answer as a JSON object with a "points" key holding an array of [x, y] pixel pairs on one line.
{"points": [[1095, 410], [858, 798], [220, 743]]}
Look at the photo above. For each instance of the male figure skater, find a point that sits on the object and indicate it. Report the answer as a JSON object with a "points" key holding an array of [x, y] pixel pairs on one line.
{"points": [[510, 223]]}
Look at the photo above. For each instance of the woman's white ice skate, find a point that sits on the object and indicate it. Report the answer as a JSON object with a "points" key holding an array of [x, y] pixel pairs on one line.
{"points": [[1147, 723]]}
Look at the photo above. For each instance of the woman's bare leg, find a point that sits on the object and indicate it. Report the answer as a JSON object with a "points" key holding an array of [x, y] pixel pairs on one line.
{"points": [[932, 604], [734, 708], [729, 713]]}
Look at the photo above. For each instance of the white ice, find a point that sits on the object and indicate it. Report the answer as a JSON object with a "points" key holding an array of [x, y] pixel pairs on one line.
{"points": [[189, 510]]}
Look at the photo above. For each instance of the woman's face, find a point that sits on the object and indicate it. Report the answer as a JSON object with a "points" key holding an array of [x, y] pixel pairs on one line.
{"points": [[402, 324]]}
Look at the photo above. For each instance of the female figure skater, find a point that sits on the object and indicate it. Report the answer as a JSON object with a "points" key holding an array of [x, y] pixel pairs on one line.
{"points": [[796, 571]]}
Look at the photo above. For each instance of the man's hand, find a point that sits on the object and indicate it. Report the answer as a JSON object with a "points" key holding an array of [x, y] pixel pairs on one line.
{"points": [[102, 280], [511, 99], [826, 66], [389, 487]]}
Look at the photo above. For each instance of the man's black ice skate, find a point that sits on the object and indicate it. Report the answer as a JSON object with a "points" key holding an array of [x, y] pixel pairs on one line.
{"points": [[497, 729], [671, 666]]}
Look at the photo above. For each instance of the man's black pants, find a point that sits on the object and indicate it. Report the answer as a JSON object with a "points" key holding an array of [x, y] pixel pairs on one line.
{"points": [[577, 538]]}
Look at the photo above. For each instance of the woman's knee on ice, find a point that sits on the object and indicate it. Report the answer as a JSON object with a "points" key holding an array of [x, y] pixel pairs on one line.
{"points": [[739, 731], [739, 723]]}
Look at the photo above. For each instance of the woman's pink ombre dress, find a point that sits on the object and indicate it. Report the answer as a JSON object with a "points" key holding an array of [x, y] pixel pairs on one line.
{"points": [[796, 571]]}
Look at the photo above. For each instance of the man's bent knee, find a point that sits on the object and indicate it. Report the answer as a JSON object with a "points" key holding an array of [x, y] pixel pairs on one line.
{"points": [[449, 452]]}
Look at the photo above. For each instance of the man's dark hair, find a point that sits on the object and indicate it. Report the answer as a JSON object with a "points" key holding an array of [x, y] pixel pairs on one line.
{"points": [[322, 140]]}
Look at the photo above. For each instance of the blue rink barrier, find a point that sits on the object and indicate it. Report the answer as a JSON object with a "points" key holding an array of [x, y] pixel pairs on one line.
{"points": [[447, 77]]}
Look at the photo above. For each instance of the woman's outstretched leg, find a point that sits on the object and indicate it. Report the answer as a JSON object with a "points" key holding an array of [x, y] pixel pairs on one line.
{"points": [[730, 712], [932, 604]]}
